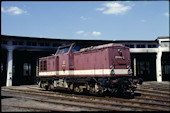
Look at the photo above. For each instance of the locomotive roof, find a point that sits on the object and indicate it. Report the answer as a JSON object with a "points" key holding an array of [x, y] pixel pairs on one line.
{"points": [[100, 47]]}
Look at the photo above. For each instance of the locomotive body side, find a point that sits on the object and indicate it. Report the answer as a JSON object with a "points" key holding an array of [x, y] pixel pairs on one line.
{"points": [[101, 62], [94, 69], [48, 66]]}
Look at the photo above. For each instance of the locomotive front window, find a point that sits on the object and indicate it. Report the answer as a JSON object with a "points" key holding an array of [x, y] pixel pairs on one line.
{"points": [[62, 50], [66, 50], [59, 51], [75, 48]]}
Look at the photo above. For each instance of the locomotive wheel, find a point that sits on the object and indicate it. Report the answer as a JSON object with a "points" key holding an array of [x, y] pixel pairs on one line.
{"points": [[100, 92], [51, 87], [92, 90], [46, 87], [76, 89], [71, 87]]}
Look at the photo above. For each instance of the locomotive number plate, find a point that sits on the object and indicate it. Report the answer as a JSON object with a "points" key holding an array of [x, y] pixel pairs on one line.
{"points": [[64, 64], [119, 57]]}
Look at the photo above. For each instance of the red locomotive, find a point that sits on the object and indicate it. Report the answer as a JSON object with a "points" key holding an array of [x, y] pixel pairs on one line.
{"points": [[94, 69]]}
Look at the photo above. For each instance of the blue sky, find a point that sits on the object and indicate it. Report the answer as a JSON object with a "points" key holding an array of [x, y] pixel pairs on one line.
{"points": [[86, 20]]}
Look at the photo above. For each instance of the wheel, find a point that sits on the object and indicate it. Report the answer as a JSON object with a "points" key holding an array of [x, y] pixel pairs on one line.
{"points": [[71, 87], [46, 87], [76, 89]]}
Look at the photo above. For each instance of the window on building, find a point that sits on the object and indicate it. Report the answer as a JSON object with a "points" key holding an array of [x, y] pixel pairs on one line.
{"points": [[4, 42], [28, 43], [34, 44], [20, 43], [154, 46], [165, 43], [55, 44], [41, 44], [27, 69], [151, 45], [31, 44], [131, 46], [47, 44], [14, 43], [17, 43], [166, 67], [140, 46], [127, 45]]}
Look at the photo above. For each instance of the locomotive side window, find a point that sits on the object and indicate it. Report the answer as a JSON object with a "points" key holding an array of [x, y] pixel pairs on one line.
{"points": [[75, 48], [43, 65]]}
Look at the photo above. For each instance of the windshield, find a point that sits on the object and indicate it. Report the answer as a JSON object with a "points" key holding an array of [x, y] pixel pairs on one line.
{"points": [[62, 50], [75, 48]]}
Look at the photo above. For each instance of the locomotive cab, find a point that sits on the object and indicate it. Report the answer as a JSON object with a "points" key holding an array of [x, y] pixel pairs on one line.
{"points": [[65, 56]]}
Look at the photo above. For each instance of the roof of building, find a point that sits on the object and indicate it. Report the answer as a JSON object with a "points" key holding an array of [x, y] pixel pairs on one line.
{"points": [[162, 37], [75, 40]]}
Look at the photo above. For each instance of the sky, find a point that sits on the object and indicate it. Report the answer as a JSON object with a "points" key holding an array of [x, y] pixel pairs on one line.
{"points": [[86, 20]]}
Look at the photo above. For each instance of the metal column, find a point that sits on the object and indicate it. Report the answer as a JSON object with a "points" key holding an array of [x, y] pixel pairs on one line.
{"points": [[134, 64], [9, 67]]}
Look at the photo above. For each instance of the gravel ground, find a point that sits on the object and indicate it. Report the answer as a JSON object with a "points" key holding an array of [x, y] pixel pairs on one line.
{"points": [[21, 99], [17, 99]]}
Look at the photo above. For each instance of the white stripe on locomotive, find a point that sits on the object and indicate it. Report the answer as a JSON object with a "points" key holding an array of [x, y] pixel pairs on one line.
{"points": [[86, 72]]}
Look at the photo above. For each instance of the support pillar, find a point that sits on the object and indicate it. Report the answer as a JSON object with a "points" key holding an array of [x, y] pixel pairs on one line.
{"points": [[158, 67], [9, 67], [134, 64]]}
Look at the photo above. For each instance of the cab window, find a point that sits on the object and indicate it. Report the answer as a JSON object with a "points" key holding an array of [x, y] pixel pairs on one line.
{"points": [[66, 50], [59, 51], [62, 50], [75, 48]]}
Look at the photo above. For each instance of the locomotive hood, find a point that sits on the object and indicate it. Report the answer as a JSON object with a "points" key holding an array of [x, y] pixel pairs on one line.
{"points": [[100, 47]]}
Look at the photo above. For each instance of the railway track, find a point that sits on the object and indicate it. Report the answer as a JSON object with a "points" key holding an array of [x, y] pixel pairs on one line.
{"points": [[32, 108], [154, 91], [108, 103], [156, 86], [143, 92], [62, 99], [143, 97]]}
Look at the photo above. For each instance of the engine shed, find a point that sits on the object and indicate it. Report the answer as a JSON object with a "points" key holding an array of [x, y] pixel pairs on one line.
{"points": [[19, 57]]}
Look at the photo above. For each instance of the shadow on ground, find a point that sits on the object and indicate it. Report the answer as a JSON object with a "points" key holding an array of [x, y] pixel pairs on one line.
{"points": [[3, 97], [105, 94]]}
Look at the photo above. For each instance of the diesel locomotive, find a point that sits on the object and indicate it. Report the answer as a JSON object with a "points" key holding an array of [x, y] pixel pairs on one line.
{"points": [[95, 69]]}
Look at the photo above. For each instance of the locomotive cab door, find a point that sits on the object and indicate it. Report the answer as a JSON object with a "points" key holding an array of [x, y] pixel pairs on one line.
{"points": [[57, 63], [63, 58]]}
